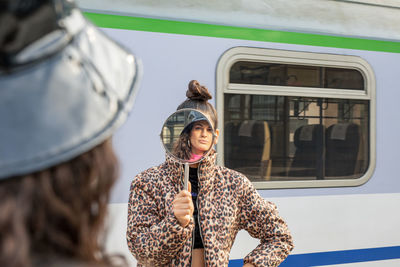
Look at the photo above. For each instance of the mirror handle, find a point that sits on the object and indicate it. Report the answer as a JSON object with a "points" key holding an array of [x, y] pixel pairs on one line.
{"points": [[186, 177]]}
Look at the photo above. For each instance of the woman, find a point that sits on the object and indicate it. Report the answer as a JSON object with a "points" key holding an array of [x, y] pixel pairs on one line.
{"points": [[57, 164], [161, 229]]}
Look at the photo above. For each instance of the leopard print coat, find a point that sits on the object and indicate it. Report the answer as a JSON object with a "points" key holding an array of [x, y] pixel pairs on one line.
{"points": [[227, 203]]}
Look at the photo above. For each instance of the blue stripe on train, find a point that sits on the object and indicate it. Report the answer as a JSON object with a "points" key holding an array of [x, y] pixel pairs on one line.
{"points": [[336, 257]]}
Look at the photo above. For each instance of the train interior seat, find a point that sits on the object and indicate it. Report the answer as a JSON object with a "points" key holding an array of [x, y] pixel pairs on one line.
{"points": [[247, 147], [308, 157], [231, 139], [342, 147]]}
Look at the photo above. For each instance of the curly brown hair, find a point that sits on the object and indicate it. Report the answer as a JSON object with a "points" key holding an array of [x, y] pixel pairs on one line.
{"points": [[58, 212], [182, 149]]}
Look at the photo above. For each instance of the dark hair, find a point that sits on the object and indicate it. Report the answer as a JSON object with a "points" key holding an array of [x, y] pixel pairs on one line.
{"points": [[197, 98], [58, 212], [182, 149]]}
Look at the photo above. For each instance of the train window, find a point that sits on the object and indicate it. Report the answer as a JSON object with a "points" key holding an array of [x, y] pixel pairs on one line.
{"points": [[245, 72], [293, 119]]}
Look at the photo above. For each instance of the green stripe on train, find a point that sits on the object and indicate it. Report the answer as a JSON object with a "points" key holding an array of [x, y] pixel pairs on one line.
{"points": [[242, 33]]}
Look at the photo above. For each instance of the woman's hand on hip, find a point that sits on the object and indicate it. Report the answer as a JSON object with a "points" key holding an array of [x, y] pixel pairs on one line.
{"points": [[182, 207]]}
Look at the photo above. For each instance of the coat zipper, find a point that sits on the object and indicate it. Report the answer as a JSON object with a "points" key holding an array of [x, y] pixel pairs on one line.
{"points": [[198, 221], [198, 214], [191, 248]]}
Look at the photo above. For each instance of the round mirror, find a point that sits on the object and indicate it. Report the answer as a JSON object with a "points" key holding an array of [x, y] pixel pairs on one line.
{"points": [[188, 135]]}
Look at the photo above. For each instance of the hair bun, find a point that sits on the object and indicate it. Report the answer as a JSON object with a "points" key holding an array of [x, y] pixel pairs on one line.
{"points": [[197, 92]]}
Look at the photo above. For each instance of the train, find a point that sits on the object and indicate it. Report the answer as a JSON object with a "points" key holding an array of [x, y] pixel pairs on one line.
{"points": [[305, 92]]}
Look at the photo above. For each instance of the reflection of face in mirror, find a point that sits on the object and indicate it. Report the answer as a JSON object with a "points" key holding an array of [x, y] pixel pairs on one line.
{"points": [[188, 135], [201, 137]]}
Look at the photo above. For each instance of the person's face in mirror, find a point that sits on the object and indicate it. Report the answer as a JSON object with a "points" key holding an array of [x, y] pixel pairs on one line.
{"points": [[201, 137]]}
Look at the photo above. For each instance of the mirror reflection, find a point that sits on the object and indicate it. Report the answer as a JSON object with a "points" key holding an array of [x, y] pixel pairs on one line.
{"points": [[187, 135]]}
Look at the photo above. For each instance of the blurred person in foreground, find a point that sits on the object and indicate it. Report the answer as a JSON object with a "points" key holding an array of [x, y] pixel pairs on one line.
{"points": [[64, 89]]}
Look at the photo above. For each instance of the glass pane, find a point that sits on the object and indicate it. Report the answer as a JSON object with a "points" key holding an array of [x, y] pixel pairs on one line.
{"points": [[264, 73], [296, 138], [344, 79]]}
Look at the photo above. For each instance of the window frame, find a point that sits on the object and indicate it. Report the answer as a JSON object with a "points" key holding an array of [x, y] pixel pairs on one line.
{"points": [[223, 86]]}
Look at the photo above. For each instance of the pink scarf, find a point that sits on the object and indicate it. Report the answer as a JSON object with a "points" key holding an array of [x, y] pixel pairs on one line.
{"points": [[195, 157]]}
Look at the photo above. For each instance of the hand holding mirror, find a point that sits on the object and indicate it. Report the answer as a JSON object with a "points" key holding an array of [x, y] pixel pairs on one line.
{"points": [[176, 135]]}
